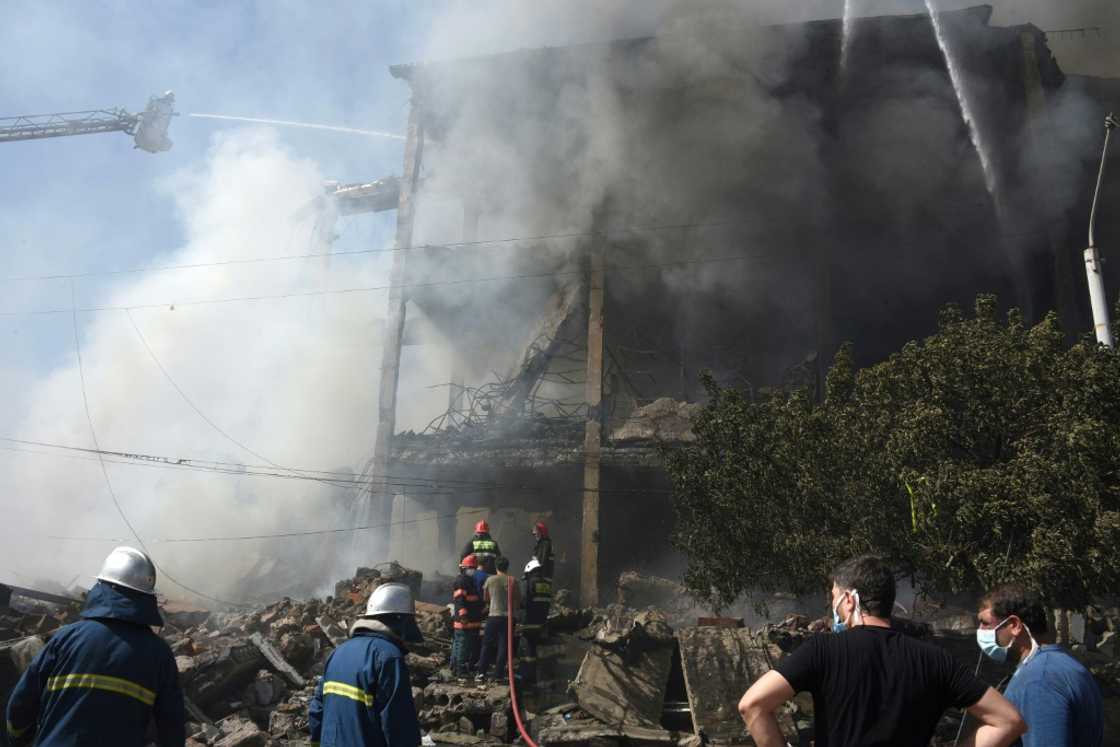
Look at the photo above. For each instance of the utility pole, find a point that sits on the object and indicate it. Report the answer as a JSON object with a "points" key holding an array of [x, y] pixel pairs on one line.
{"points": [[1097, 296]]}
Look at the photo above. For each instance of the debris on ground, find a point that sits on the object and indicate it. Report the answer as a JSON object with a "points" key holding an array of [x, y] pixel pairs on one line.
{"points": [[639, 671]]}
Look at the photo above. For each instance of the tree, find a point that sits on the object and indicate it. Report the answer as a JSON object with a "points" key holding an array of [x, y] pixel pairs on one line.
{"points": [[987, 452]]}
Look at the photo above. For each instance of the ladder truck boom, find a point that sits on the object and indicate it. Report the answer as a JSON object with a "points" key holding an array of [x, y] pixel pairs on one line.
{"points": [[148, 128]]}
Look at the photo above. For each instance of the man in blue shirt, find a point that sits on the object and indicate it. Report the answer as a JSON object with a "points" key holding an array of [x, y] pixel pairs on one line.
{"points": [[1056, 695]]}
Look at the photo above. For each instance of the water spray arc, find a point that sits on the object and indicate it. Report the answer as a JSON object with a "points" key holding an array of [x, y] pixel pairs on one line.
{"points": [[846, 38], [956, 77], [308, 125]]}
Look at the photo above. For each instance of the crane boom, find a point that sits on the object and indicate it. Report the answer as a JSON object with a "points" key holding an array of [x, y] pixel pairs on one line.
{"points": [[148, 128]]}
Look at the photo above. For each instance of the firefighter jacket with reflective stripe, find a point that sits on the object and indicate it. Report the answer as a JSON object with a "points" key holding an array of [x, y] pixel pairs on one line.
{"points": [[543, 553], [483, 548], [101, 680], [468, 609], [365, 696], [538, 598]]}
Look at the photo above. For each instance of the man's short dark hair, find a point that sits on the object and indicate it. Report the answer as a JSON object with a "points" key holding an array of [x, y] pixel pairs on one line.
{"points": [[503, 564], [1018, 600], [872, 578]]}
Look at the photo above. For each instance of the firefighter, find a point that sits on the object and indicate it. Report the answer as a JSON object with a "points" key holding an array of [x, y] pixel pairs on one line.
{"points": [[102, 679], [483, 547], [543, 550], [466, 619], [365, 695], [538, 598]]}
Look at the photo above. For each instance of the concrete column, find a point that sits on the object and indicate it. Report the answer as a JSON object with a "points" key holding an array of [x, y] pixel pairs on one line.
{"points": [[458, 379], [381, 494], [1067, 261], [593, 433]]}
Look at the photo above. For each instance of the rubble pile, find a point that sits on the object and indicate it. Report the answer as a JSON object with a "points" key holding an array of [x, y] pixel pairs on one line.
{"points": [[647, 672]]}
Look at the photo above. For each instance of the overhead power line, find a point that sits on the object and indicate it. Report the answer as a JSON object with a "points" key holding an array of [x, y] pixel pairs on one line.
{"points": [[406, 482], [405, 286], [357, 252], [187, 399], [109, 482]]}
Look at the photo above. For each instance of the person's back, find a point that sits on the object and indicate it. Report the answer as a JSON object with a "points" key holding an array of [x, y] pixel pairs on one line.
{"points": [[873, 686], [361, 692], [876, 686], [365, 696], [100, 681], [1059, 699]]}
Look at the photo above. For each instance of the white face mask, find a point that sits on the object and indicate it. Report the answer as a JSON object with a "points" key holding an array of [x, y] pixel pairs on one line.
{"points": [[986, 640]]}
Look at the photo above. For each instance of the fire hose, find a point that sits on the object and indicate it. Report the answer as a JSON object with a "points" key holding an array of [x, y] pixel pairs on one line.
{"points": [[509, 666]]}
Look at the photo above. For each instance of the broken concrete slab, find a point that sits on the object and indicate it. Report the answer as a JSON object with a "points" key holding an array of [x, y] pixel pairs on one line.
{"points": [[221, 673], [719, 664], [664, 420], [277, 661]]}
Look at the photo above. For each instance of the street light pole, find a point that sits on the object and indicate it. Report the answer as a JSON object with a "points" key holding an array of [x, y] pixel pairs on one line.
{"points": [[1097, 297]]}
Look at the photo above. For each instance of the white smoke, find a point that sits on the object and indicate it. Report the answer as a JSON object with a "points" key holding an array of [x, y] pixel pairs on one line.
{"points": [[294, 380]]}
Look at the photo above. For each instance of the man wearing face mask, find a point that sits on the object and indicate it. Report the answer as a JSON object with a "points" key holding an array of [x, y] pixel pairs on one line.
{"points": [[1058, 697], [873, 686]]}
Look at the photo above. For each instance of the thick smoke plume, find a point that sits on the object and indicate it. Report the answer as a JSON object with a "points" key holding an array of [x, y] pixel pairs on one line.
{"points": [[543, 146], [290, 379]]}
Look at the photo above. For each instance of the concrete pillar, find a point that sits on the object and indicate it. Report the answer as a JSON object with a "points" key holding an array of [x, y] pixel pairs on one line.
{"points": [[1067, 263], [458, 379], [381, 494], [593, 432]]}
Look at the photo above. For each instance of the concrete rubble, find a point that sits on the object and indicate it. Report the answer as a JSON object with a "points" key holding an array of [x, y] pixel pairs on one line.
{"points": [[632, 673]]}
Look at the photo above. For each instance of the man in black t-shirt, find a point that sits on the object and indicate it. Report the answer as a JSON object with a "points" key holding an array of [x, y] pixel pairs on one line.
{"points": [[873, 686]]}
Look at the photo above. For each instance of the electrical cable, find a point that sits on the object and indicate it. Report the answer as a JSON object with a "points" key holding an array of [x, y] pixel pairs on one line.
{"points": [[105, 470], [278, 535], [187, 399], [352, 252], [171, 305], [233, 468]]}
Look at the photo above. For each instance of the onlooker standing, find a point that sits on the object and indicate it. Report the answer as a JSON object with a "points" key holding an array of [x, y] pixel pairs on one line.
{"points": [[1057, 696], [467, 618], [495, 639], [872, 685]]}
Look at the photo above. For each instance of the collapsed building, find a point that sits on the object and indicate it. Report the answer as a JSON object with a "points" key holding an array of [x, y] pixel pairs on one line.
{"points": [[582, 231]]}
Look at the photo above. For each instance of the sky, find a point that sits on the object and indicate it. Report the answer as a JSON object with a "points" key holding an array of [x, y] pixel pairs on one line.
{"points": [[291, 379]]}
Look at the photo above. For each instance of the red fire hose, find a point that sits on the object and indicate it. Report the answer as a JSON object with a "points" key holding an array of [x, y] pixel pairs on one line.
{"points": [[509, 665]]}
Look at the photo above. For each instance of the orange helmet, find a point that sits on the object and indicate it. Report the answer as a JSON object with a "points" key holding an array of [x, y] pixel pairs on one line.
{"points": [[482, 527], [469, 562], [541, 529]]}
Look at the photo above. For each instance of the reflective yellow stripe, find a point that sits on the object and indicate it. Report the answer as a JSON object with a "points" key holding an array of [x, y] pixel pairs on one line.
{"points": [[347, 691], [15, 733], [102, 682]]}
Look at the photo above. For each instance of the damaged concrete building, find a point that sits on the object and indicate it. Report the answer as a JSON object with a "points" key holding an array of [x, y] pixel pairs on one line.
{"points": [[583, 230]]}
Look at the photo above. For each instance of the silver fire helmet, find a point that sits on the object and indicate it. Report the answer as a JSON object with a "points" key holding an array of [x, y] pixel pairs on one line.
{"points": [[391, 599], [130, 568]]}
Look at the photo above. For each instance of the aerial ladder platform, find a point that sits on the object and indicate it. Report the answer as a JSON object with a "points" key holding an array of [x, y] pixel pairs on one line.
{"points": [[147, 128]]}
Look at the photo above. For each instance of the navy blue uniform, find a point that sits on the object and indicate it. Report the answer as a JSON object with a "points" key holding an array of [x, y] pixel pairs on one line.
{"points": [[365, 696], [101, 680]]}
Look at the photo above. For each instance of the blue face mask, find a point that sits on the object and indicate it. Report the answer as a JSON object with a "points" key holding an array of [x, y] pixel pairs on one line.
{"points": [[986, 640], [838, 625]]}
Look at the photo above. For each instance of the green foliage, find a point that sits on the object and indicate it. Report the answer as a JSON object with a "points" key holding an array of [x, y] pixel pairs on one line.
{"points": [[988, 452]]}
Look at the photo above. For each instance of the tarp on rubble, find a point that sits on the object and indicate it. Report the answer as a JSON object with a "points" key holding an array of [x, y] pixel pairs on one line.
{"points": [[719, 664]]}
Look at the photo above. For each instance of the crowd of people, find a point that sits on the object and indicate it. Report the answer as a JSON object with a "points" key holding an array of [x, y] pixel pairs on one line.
{"points": [[102, 680]]}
